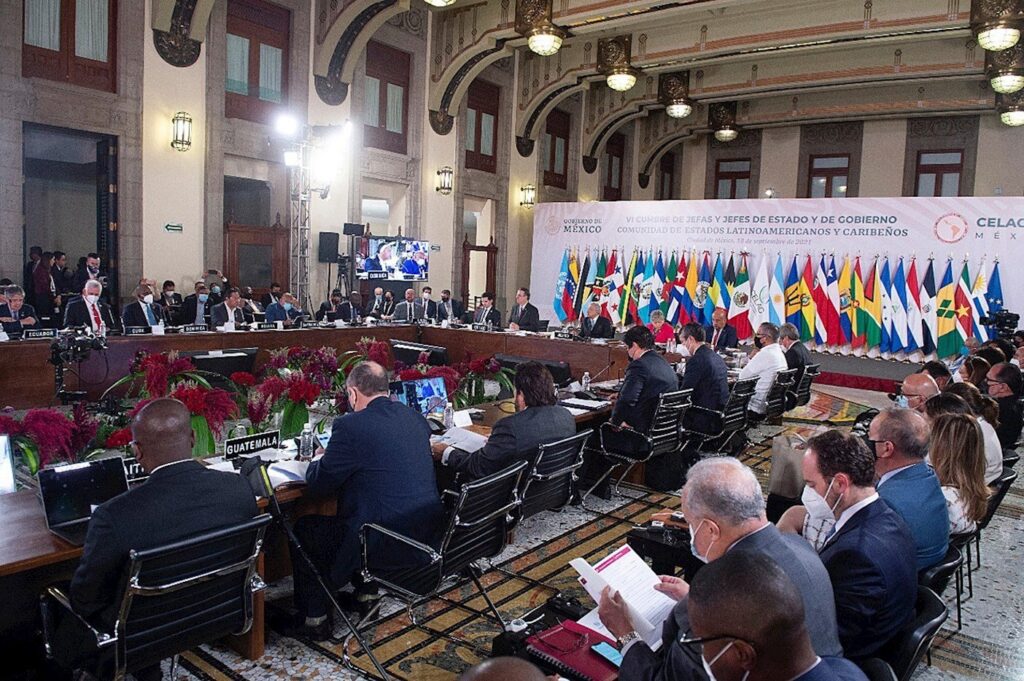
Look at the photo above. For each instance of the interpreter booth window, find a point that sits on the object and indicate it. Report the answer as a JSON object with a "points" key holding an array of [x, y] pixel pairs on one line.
{"points": [[732, 179], [828, 176], [482, 126], [666, 177], [257, 66], [614, 153], [939, 172], [72, 41], [555, 149], [386, 100]]}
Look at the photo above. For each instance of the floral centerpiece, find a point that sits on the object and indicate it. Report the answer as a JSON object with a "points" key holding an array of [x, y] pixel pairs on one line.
{"points": [[49, 436], [155, 374], [209, 407], [465, 382]]}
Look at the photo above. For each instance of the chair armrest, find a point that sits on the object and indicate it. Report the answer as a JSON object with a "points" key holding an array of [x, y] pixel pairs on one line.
{"points": [[719, 414], [56, 595], [429, 551]]}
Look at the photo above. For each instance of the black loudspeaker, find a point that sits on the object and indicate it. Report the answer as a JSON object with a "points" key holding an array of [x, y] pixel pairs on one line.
{"points": [[328, 251], [353, 229]]}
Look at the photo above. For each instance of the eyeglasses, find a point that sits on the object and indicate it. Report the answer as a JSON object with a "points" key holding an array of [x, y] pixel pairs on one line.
{"points": [[580, 642], [872, 443], [689, 639]]}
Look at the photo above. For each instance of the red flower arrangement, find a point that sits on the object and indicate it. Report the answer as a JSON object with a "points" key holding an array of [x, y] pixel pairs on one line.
{"points": [[258, 408], [301, 390], [209, 407], [119, 438], [159, 372], [375, 351], [243, 378], [47, 436]]}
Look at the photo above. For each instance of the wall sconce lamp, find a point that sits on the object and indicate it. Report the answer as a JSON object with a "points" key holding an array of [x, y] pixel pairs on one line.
{"points": [[445, 181], [529, 196], [181, 131]]}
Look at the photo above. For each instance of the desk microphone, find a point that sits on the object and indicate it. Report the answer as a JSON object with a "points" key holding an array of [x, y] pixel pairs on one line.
{"points": [[610, 364]]}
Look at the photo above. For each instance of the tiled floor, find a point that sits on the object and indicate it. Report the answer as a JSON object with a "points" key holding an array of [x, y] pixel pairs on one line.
{"points": [[988, 647]]}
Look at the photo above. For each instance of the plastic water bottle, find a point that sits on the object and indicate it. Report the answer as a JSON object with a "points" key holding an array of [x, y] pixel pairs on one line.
{"points": [[239, 430], [585, 381], [449, 416], [306, 443]]}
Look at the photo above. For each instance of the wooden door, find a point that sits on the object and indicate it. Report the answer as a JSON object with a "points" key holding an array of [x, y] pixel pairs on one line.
{"points": [[256, 256]]}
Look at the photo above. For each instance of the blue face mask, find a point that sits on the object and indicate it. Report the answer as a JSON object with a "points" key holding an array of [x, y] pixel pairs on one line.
{"points": [[287, 307], [203, 297], [215, 289], [902, 402]]}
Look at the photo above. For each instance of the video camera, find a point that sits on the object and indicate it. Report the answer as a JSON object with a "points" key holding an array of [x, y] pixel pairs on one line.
{"points": [[1004, 322], [74, 346]]}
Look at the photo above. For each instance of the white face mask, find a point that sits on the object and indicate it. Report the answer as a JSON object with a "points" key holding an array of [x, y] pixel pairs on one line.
{"points": [[148, 298], [902, 402], [92, 299], [817, 507], [696, 554], [683, 350], [707, 665]]}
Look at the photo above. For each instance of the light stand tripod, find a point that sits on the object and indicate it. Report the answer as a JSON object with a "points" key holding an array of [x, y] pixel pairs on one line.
{"points": [[255, 471]]}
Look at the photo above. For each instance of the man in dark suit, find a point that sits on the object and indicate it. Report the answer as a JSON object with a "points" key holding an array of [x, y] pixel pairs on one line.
{"points": [[383, 304], [797, 354], [35, 254], [486, 314], [199, 499], [647, 377], [449, 308], [90, 269], [331, 306], [271, 297], [251, 310], [429, 306], [378, 465], [1004, 385], [196, 308], [143, 312], [524, 316], [724, 509], [228, 311], [88, 310], [352, 309], [768, 635], [720, 335], [870, 556], [410, 309], [539, 420], [286, 310], [708, 377], [171, 302], [594, 325], [899, 438], [16, 315]]}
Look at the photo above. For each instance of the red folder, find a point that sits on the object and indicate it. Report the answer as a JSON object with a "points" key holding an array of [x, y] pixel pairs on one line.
{"points": [[566, 648]]}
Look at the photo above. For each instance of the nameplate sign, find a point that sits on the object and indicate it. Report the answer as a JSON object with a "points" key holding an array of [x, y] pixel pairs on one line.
{"points": [[377, 275], [480, 327], [133, 469], [564, 335], [266, 326], [250, 444], [194, 328], [29, 334], [136, 330]]}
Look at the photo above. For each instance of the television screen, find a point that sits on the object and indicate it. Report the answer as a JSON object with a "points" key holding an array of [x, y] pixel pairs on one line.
{"points": [[393, 258]]}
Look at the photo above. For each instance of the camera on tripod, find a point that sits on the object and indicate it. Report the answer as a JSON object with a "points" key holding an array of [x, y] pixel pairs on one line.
{"points": [[72, 347], [1004, 322]]}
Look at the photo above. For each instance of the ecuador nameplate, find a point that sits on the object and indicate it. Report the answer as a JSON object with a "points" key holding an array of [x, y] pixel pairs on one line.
{"points": [[29, 334], [193, 328], [250, 444]]}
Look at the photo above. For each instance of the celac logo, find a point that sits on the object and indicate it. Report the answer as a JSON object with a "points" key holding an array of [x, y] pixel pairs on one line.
{"points": [[950, 228]]}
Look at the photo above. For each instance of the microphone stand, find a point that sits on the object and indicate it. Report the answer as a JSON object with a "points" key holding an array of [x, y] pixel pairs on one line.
{"points": [[255, 471]]}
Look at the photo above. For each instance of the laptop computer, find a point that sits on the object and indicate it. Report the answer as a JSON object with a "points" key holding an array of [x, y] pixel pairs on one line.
{"points": [[6, 466], [428, 396], [71, 493]]}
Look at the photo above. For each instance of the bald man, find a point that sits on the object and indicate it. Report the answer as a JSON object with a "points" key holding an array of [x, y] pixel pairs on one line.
{"points": [[503, 669], [756, 634], [917, 388], [181, 498]]}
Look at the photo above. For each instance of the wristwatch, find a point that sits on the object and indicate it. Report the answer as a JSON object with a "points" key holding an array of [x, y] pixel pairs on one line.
{"points": [[628, 638]]}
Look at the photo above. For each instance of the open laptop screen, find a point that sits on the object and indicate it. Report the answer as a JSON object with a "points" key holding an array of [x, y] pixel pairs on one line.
{"points": [[72, 492], [6, 465], [426, 395]]}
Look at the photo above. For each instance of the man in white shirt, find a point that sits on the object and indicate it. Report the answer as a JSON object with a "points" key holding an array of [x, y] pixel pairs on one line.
{"points": [[767, 360]]}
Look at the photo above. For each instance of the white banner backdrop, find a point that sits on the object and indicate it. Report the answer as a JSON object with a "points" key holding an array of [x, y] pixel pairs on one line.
{"points": [[981, 230]]}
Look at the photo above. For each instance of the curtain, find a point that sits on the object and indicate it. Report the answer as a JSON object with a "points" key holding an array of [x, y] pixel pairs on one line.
{"points": [[394, 113], [42, 24], [371, 107], [270, 73], [91, 24], [487, 134], [238, 65]]}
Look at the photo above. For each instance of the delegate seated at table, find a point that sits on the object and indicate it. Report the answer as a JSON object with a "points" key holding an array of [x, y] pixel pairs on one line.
{"points": [[15, 315], [284, 310]]}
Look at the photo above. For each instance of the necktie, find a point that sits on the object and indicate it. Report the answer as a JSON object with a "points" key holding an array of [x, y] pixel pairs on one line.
{"points": [[150, 317], [96, 322], [714, 340], [200, 312]]}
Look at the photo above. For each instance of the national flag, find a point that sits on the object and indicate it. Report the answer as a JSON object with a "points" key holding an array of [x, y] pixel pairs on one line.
{"points": [[707, 305], [677, 313], [819, 293], [560, 284], [691, 308], [929, 318], [871, 309], [847, 310], [856, 301], [777, 295], [718, 291], [739, 306], [657, 285], [915, 322], [730, 281], [599, 293], [962, 300], [636, 284], [586, 280], [995, 290], [670, 282], [759, 298], [571, 284], [899, 300], [643, 303], [619, 308], [834, 327], [613, 280], [886, 319], [807, 311], [979, 305], [793, 314], [949, 339]]}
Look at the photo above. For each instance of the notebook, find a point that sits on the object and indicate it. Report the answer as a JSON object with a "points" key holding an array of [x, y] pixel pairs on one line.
{"points": [[566, 647]]}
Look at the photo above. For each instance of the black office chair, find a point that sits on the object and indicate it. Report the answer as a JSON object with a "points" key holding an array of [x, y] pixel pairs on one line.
{"points": [[1010, 460], [176, 597], [800, 394], [877, 670], [544, 323], [477, 527], [732, 420], [904, 652], [550, 481], [937, 577], [628, 447], [963, 542], [775, 400]]}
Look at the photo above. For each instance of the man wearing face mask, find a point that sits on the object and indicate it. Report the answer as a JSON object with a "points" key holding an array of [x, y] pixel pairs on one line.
{"points": [[745, 634], [869, 554], [271, 297], [707, 375], [724, 508], [915, 391], [196, 308], [429, 306], [449, 308], [143, 312], [89, 311], [767, 361], [285, 311]]}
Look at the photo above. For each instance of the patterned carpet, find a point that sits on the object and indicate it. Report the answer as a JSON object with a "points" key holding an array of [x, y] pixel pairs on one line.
{"points": [[536, 566]]}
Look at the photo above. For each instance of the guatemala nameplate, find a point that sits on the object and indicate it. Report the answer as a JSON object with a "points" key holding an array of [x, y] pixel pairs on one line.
{"points": [[250, 444]]}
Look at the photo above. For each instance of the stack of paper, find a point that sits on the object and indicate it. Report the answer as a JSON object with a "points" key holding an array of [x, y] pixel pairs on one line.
{"points": [[287, 472], [463, 439], [589, 405]]}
